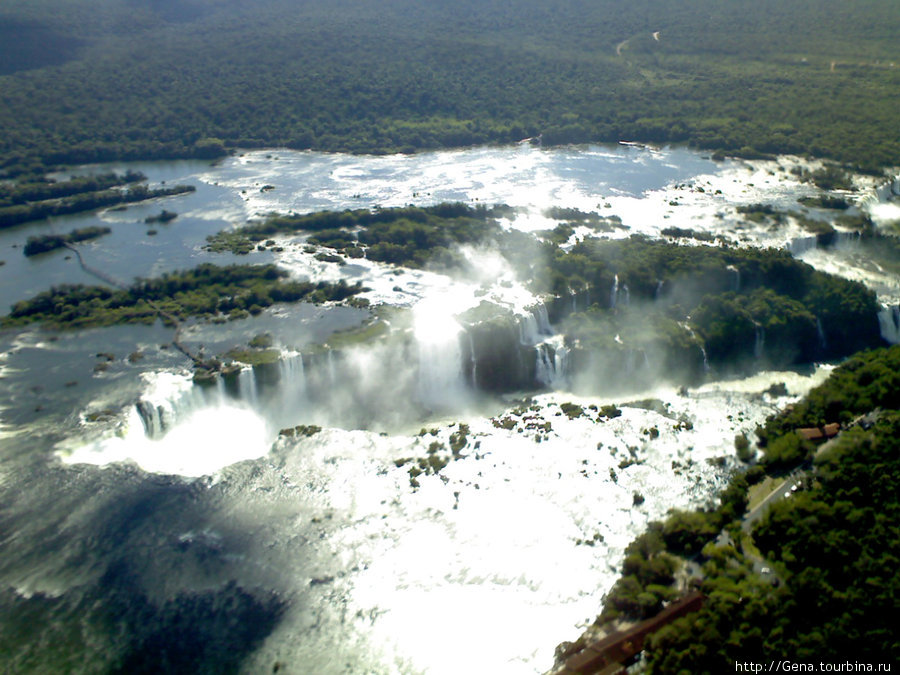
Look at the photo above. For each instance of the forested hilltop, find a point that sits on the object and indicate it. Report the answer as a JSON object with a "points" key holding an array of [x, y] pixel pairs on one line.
{"points": [[92, 80]]}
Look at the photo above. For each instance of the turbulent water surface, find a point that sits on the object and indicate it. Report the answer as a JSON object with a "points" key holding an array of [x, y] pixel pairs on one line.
{"points": [[428, 526]]}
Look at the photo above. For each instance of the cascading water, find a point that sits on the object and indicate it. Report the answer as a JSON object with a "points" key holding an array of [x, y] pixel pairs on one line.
{"points": [[292, 386], [331, 370], [737, 278], [687, 327], [759, 344], [440, 379], [247, 387], [823, 343], [533, 325], [802, 245], [614, 293], [473, 362], [170, 401], [182, 428], [889, 321], [630, 361], [551, 366]]}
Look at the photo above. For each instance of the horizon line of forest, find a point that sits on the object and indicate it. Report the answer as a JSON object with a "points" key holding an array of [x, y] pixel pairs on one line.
{"points": [[198, 79]]}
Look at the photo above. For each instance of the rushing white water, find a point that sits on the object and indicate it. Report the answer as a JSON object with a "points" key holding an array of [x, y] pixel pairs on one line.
{"points": [[184, 430], [488, 556], [440, 368], [534, 325], [551, 367], [491, 552]]}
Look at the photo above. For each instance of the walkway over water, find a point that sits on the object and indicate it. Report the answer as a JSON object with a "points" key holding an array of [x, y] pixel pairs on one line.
{"points": [[166, 316], [609, 654]]}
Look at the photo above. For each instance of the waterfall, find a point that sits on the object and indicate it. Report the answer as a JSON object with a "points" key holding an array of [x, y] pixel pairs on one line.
{"points": [[292, 385], [247, 387], [533, 324], [473, 364], [440, 377], [171, 399], [889, 321], [331, 374], [760, 342], [801, 245], [561, 363], [292, 373], [551, 363], [440, 380], [627, 295], [528, 329], [737, 278], [545, 369], [614, 293], [629, 362], [659, 287], [841, 238], [543, 319], [823, 343], [152, 417], [687, 327]]}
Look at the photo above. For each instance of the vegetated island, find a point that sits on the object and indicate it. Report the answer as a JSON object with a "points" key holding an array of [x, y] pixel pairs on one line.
{"points": [[21, 203], [410, 236], [207, 291], [813, 574], [618, 302], [44, 243]]}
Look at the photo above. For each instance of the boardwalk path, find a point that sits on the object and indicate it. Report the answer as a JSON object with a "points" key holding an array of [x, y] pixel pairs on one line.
{"points": [[165, 315]]}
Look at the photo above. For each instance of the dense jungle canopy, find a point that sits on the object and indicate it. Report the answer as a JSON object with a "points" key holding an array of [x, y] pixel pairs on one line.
{"points": [[97, 80]]}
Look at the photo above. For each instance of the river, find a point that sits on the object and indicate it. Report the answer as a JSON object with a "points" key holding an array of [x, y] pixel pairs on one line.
{"points": [[146, 518]]}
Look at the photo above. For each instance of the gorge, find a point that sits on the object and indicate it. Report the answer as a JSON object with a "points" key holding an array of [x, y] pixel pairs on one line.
{"points": [[459, 455]]}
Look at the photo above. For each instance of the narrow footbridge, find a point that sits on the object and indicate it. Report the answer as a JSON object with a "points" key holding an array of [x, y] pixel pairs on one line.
{"points": [[165, 315], [609, 655]]}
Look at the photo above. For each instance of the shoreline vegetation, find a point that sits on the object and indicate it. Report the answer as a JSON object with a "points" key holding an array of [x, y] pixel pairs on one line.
{"points": [[739, 79], [207, 291], [44, 243], [815, 576], [812, 575], [693, 309], [688, 301], [36, 200]]}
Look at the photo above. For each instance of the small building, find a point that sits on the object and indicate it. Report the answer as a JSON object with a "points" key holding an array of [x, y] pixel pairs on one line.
{"points": [[820, 434]]}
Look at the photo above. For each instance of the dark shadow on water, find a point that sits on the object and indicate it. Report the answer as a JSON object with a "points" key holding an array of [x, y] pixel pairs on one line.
{"points": [[194, 632]]}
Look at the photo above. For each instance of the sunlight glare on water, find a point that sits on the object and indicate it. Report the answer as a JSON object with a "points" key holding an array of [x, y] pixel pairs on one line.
{"points": [[202, 443]]}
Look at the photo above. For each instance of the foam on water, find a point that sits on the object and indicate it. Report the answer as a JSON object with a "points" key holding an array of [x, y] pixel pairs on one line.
{"points": [[198, 434], [486, 554]]}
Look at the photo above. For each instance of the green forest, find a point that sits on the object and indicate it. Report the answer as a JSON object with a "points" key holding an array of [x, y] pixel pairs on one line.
{"points": [[832, 546], [196, 78], [207, 291], [731, 296], [86, 81]]}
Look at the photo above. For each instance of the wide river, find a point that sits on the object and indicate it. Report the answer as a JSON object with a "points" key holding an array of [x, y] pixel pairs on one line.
{"points": [[147, 522]]}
